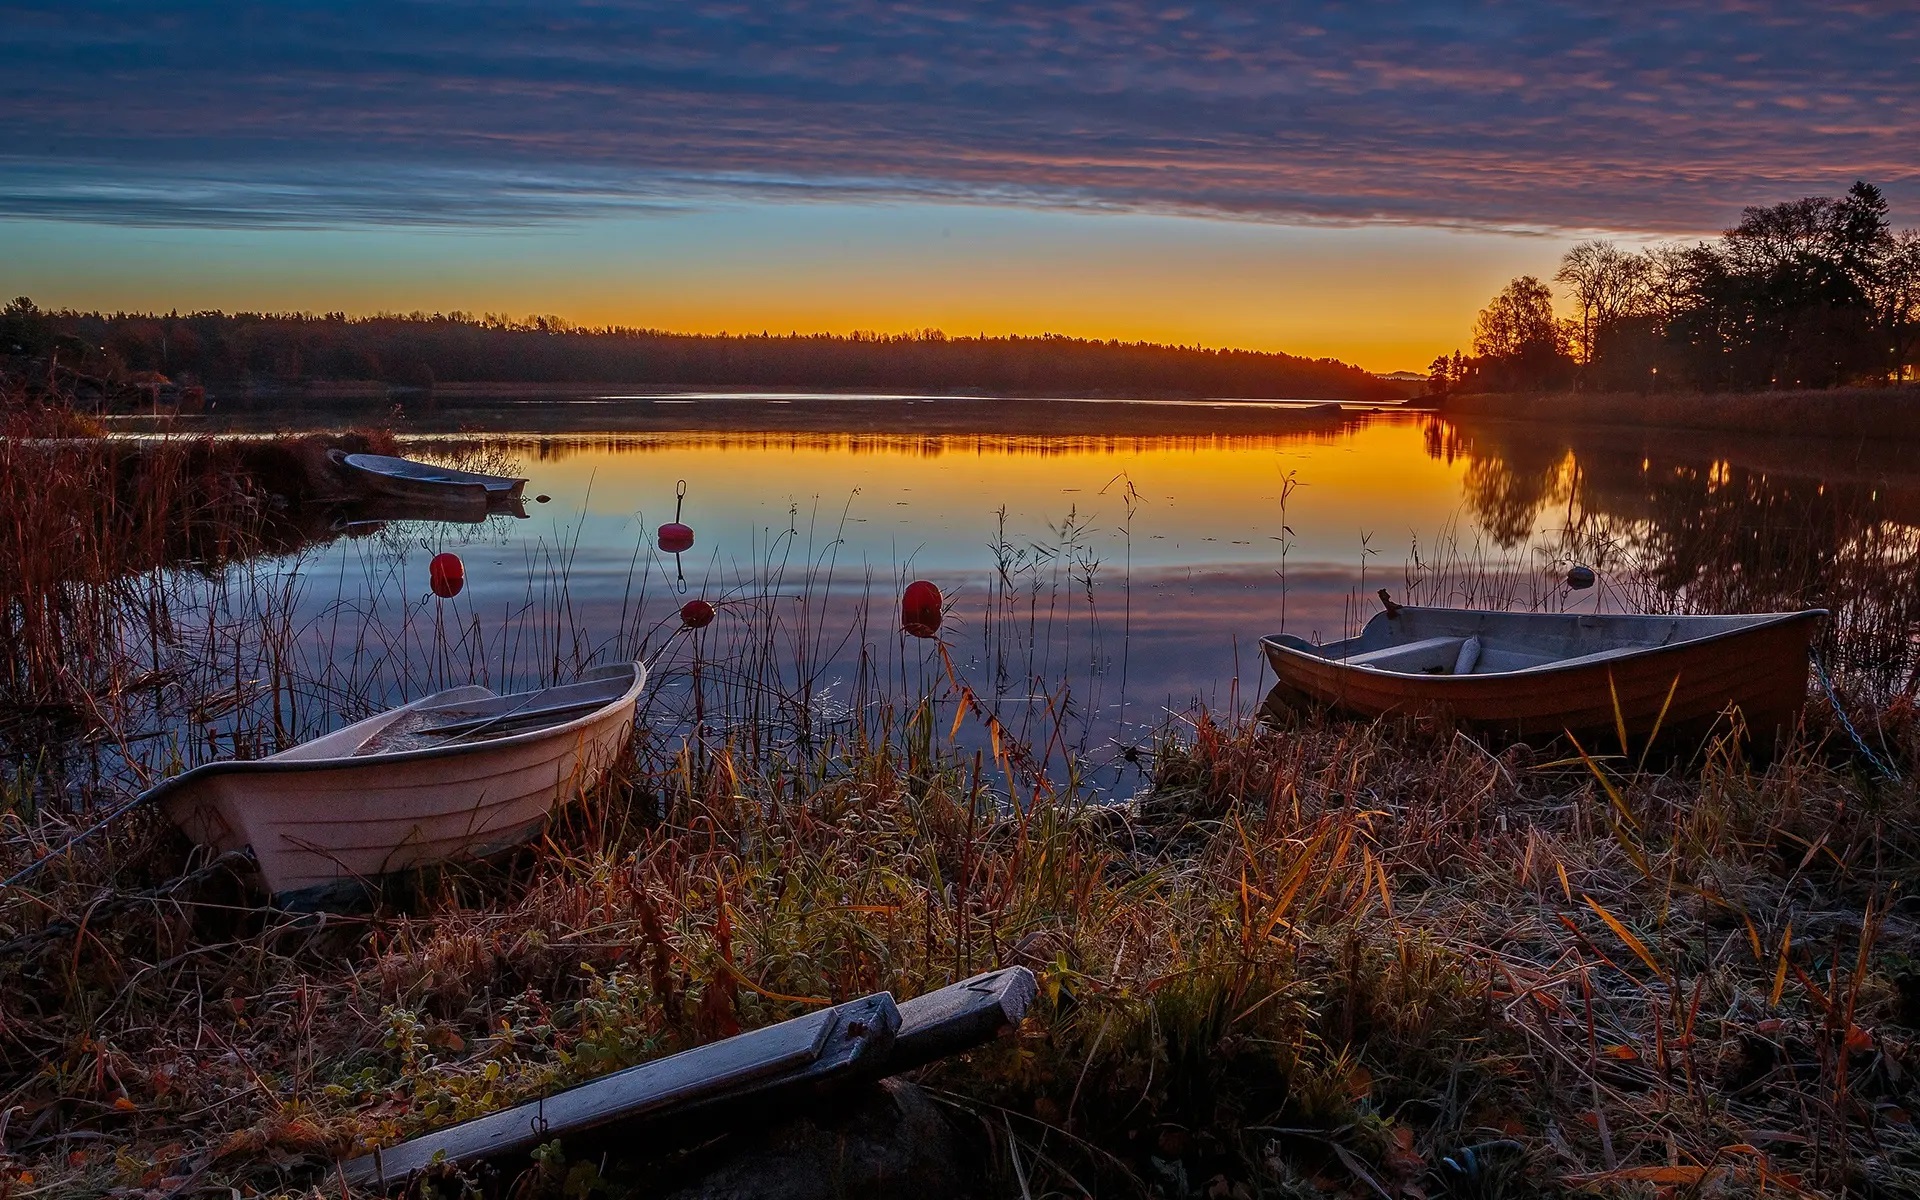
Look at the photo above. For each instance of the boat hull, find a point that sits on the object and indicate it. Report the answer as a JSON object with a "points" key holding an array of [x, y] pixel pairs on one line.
{"points": [[1679, 689], [318, 828], [423, 483]]}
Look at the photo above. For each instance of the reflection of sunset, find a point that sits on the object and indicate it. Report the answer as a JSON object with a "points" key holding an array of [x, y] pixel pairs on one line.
{"points": [[1730, 521], [1212, 499]]}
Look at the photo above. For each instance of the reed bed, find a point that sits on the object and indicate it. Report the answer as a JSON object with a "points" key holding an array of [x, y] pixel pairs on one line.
{"points": [[126, 567]]}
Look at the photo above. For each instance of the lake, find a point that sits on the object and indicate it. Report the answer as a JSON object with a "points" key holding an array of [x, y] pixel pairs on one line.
{"points": [[1108, 565]]}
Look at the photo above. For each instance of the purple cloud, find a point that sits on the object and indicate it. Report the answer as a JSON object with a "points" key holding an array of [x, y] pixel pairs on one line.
{"points": [[1565, 116]]}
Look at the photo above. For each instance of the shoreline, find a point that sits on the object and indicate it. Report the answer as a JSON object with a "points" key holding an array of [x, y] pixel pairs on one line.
{"points": [[919, 416], [1859, 414], [507, 391]]}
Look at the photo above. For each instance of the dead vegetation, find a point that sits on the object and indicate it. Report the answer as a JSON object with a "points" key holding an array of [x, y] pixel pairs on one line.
{"points": [[1332, 959]]}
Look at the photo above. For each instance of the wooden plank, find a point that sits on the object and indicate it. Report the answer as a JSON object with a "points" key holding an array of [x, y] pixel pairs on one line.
{"points": [[797, 1055], [961, 1016]]}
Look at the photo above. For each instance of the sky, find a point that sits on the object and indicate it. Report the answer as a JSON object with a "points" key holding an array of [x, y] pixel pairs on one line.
{"points": [[1343, 180]]}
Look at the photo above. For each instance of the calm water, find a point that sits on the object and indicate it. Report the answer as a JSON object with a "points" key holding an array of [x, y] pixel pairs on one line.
{"points": [[1107, 564]]}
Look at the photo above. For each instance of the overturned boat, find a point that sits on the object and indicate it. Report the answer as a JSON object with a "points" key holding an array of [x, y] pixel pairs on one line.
{"points": [[408, 479], [456, 775], [1537, 675]]}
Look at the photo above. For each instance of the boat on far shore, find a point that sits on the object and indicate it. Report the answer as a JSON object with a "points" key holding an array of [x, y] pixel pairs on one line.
{"points": [[409, 479], [1536, 676]]}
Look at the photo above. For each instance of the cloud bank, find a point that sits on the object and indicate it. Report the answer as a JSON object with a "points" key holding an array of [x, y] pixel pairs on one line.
{"points": [[502, 112]]}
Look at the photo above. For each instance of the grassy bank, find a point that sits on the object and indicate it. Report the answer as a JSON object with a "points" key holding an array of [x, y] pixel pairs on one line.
{"points": [[1322, 960], [1857, 414]]}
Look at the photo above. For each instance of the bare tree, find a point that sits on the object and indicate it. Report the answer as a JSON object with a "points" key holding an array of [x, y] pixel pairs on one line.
{"points": [[1608, 284], [1896, 302], [1670, 270]]}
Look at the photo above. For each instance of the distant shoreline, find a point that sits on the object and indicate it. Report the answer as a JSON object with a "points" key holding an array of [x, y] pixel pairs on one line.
{"points": [[1855, 414], [508, 391], [507, 409]]}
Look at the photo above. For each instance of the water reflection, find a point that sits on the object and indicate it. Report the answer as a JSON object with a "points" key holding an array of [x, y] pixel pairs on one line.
{"points": [[1102, 578], [1715, 524]]}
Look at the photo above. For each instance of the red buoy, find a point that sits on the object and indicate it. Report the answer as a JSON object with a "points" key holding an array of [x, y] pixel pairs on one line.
{"points": [[446, 574], [696, 614], [920, 609], [676, 538]]}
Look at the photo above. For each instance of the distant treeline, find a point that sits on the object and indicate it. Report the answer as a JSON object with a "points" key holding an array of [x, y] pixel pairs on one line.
{"points": [[1813, 293], [225, 351]]}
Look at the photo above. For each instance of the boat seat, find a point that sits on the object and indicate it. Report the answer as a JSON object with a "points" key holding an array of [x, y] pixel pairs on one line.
{"points": [[1588, 659], [1436, 654]]}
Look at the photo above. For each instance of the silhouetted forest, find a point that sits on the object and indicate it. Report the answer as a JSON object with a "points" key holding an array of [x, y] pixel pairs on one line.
{"points": [[235, 351], [1813, 293]]}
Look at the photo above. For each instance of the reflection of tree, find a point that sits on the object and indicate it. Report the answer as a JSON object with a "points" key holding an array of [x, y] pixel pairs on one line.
{"points": [[1506, 498], [1508, 481], [1690, 531]]}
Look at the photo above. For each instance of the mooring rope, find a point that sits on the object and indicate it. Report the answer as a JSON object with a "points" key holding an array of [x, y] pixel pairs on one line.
{"points": [[1859, 743]]}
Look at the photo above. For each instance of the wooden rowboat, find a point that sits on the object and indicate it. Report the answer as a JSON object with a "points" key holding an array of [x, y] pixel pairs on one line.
{"points": [[406, 479], [1537, 675], [459, 774]]}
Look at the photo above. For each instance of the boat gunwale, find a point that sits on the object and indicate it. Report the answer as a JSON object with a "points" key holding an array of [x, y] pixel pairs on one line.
{"points": [[1271, 642], [453, 476], [276, 765]]}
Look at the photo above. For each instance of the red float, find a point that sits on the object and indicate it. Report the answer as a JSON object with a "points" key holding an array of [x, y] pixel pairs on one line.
{"points": [[920, 609], [446, 574], [676, 538], [696, 614]]}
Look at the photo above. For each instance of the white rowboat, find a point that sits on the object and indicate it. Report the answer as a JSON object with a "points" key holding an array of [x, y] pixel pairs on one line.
{"points": [[407, 479], [456, 775]]}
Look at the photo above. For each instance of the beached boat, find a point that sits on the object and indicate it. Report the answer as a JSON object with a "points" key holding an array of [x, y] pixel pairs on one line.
{"points": [[406, 479], [1536, 675], [459, 774]]}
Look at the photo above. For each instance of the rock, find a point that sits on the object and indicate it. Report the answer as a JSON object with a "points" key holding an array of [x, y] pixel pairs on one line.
{"points": [[888, 1142]]}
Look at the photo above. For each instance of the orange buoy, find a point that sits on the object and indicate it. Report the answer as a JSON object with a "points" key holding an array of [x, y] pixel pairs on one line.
{"points": [[446, 574], [696, 614], [920, 609]]}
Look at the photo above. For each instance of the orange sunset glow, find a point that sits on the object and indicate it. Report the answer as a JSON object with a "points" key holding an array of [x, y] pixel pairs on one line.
{"points": [[1386, 299], [959, 600]]}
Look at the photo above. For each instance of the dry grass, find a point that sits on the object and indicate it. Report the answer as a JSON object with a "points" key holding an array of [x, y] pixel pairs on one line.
{"points": [[1308, 960]]}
